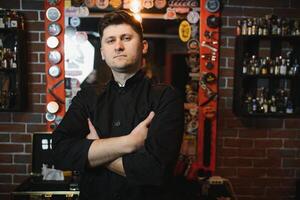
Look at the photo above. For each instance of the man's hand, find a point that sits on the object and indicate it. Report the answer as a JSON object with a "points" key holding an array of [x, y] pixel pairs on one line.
{"points": [[138, 135], [93, 133], [106, 150]]}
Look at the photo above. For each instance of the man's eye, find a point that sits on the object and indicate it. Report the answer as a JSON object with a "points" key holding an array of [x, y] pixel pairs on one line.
{"points": [[127, 38], [109, 41]]}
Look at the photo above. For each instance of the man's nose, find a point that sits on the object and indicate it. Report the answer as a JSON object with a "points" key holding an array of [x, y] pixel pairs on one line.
{"points": [[119, 45]]}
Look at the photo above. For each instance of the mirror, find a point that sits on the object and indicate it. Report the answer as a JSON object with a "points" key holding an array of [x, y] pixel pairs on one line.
{"points": [[165, 61]]}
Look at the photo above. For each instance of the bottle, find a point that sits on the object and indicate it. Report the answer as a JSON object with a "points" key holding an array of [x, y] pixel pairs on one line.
{"points": [[273, 107], [249, 26], [280, 101], [296, 67], [277, 66], [1, 53], [252, 65], [249, 105], [254, 27], [244, 27], [289, 107], [264, 69], [265, 106], [259, 102], [271, 66], [279, 26], [274, 25], [265, 26], [4, 62], [14, 55], [285, 27], [256, 67], [260, 26], [297, 27], [9, 58], [290, 69], [238, 27], [8, 18], [245, 67], [254, 105], [2, 24], [283, 67]]}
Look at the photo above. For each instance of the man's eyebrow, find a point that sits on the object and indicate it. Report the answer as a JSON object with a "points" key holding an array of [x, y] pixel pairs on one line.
{"points": [[109, 37]]}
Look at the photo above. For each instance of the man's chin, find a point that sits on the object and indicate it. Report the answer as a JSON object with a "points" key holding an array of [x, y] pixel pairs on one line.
{"points": [[124, 69]]}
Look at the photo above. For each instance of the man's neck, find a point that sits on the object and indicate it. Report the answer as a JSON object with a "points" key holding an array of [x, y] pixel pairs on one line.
{"points": [[121, 78]]}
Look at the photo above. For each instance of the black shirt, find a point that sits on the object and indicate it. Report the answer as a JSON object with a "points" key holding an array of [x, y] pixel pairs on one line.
{"points": [[115, 112]]}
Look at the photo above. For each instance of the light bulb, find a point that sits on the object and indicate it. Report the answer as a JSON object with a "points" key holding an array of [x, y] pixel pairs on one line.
{"points": [[135, 6]]}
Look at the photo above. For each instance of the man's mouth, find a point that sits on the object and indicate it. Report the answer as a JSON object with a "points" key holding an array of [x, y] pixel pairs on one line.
{"points": [[119, 56]]}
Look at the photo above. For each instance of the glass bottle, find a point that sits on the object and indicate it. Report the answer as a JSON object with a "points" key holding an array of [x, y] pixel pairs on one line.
{"points": [[265, 106], [249, 26], [244, 27], [2, 23], [289, 107], [7, 21], [264, 68], [4, 62], [273, 107], [274, 25], [245, 67], [277, 66], [283, 67], [279, 26], [238, 27], [254, 27], [296, 67], [271, 66], [260, 26], [254, 105]]}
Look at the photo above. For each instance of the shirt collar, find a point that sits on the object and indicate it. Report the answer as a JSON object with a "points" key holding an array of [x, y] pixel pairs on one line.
{"points": [[137, 77]]}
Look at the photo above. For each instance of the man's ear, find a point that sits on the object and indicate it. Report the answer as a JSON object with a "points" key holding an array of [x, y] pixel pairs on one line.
{"points": [[145, 47], [102, 55]]}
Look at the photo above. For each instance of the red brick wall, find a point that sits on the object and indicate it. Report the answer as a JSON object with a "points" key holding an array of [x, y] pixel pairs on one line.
{"points": [[16, 128], [260, 157]]}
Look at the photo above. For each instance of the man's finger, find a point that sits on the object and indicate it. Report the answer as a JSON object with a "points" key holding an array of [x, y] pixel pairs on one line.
{"points": [[91, 127], [148, 120]]}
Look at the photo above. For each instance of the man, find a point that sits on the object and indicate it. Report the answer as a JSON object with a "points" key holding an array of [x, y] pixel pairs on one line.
{"points": [[125, 139]]}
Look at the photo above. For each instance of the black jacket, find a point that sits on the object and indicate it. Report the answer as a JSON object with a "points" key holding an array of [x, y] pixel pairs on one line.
{"points": [[115, 112]]}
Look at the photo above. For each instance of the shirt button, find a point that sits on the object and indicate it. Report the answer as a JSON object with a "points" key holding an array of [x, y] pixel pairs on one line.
{"points": [[117, 123]]}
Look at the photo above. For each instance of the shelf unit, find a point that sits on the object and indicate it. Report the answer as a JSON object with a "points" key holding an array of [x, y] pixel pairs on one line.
{"points": [[262, 46], [13, 80]]}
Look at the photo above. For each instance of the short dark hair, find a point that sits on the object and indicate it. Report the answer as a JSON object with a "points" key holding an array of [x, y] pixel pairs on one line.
{"points": [[120, 17]]}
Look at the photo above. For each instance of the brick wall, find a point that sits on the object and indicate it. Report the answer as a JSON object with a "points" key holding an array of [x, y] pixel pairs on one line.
{"points": [[16, 128], [260, 157]]}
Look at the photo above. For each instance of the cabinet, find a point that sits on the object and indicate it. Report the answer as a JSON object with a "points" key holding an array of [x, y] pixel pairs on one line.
{"points": [[267, 76], [12, 69]]}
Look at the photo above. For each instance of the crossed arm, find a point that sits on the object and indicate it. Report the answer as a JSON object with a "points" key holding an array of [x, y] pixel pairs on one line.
{"points": [[109, 151]]}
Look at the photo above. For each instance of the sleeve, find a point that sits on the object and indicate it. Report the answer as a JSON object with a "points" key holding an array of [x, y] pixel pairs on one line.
{"points": [[154, 163], [69, 143]]}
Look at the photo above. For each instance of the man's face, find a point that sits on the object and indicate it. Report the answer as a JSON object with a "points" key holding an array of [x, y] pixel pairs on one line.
{"points": [[122, 48]]}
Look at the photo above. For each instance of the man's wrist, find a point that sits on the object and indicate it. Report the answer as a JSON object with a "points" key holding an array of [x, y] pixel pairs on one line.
{"points": [[128, 144]]}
